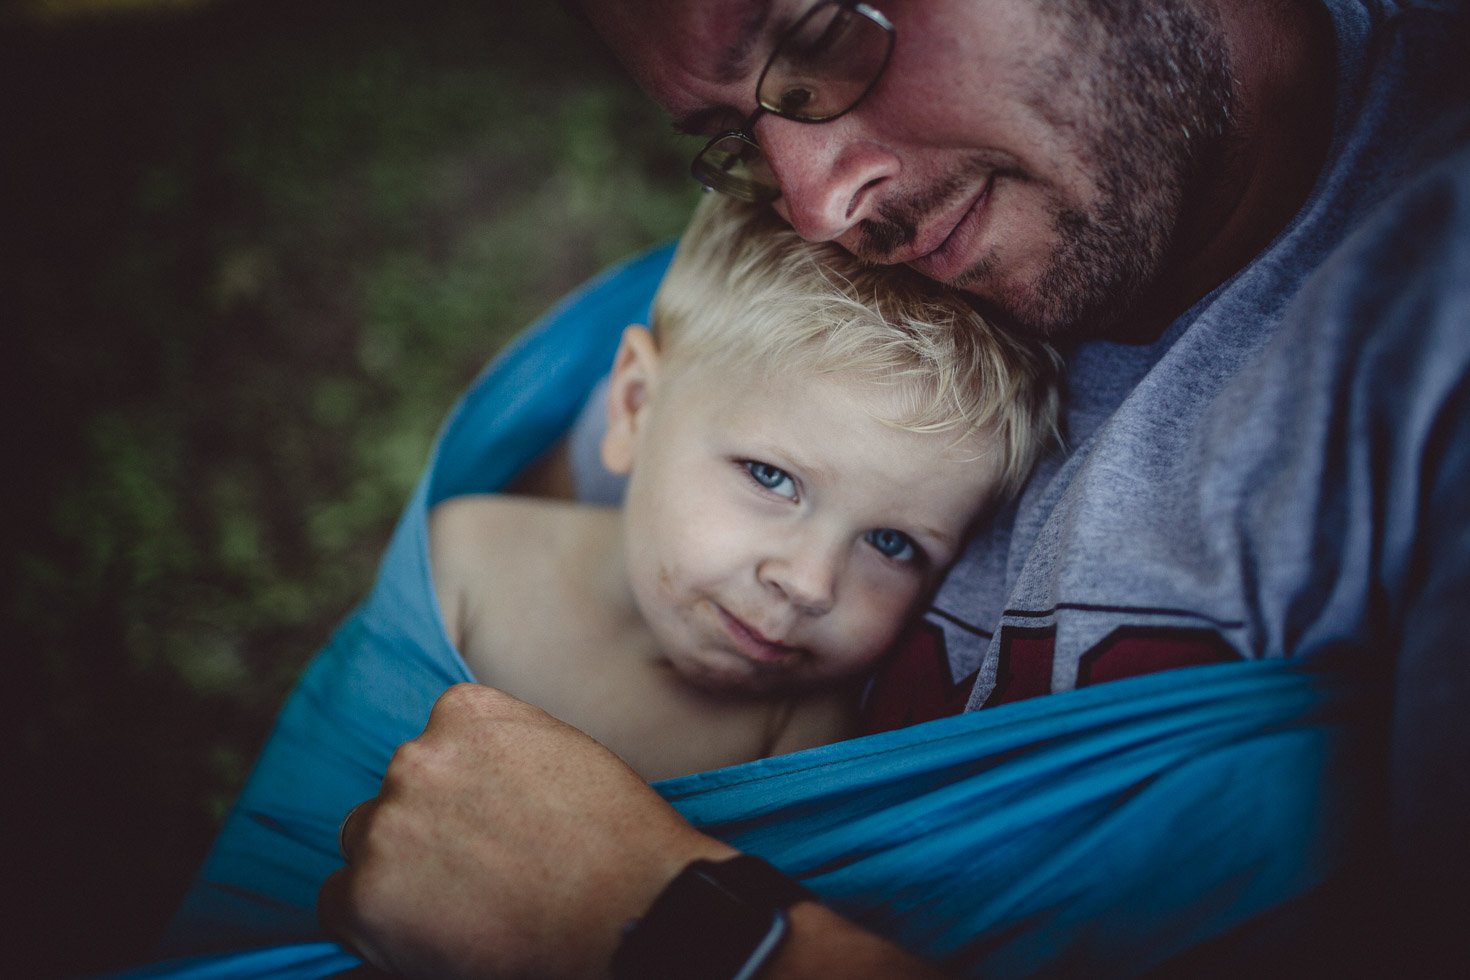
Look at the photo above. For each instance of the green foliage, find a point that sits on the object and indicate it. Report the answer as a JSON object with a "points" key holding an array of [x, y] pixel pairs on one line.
{"points": [[261, 247]]}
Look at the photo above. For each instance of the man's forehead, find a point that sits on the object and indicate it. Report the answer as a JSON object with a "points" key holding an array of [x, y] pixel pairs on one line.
{"points": [[736, 28], [668, 42]]}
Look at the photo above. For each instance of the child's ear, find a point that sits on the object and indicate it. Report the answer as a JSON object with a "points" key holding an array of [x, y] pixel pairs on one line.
{"points": [[629, 395]]}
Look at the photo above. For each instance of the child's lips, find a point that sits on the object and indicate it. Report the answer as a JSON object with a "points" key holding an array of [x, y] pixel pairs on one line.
{"points": [[751, 643]]}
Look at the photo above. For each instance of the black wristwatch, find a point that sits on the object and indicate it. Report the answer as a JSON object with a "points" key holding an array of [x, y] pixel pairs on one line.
{"points": [[718, 920]]}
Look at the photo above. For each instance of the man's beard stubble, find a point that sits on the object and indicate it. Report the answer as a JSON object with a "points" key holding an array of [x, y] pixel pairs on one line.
{"points": [[1157, 116]]}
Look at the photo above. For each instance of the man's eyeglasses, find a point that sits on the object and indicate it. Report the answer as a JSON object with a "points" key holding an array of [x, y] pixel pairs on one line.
{"points": [[822, 67]]}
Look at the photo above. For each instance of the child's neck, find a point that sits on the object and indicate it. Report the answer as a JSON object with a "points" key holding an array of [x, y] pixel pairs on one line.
{"points": [[598, 570]]}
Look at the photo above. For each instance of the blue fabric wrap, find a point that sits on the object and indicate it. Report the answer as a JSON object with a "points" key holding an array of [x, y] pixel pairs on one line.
{"points": [[289, 961], [1101, 831]]}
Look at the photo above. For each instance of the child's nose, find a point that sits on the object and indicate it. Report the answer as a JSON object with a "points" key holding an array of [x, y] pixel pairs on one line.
{"points": [[805, 576]]}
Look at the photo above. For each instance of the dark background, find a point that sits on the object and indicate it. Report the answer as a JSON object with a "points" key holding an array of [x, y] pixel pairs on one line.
{"points": [[250, 251]]}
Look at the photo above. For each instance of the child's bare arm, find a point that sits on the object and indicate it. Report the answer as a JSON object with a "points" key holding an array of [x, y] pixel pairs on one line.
{"points": [[457, 558]]}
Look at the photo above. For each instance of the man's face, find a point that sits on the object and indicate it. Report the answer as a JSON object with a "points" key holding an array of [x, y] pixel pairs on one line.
{"points": [[1035, 153]]}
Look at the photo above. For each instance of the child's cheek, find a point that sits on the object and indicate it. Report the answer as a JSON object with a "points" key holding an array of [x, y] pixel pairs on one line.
{"points": [[889, 609]]}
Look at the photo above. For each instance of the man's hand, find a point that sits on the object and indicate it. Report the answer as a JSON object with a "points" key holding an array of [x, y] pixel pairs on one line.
{"points": [[504, 843]]}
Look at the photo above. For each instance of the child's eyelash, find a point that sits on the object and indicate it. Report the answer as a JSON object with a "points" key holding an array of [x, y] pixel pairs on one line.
{"points": [[750, 467]]}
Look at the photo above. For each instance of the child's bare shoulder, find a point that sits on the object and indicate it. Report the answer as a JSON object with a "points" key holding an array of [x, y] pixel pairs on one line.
{"points": [[462, 527], [477, 516], [457, 558], [500, 566], [477, 545], [467, 534]]}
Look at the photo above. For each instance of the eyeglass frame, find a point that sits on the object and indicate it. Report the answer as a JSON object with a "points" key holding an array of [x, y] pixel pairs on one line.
{"points": [[745, 133]]}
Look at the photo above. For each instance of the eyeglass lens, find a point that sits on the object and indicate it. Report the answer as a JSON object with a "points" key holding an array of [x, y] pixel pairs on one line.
{"points": [[826, 64], [732, 164], [820, 69]]}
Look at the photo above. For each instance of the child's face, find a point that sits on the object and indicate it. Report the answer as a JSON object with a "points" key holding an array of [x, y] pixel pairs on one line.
{"points": [[778, 535]]}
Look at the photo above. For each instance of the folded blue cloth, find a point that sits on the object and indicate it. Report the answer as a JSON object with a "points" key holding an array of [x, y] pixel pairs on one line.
{"points": [[290, 961], [1103, 831]]}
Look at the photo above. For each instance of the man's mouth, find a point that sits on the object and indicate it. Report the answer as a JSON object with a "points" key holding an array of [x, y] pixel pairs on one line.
{"points": [[751, 643], [949, 251]]}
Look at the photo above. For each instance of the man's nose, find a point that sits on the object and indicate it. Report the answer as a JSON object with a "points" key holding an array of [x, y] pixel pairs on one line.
{"points": [[831, 175], [804, 572]]}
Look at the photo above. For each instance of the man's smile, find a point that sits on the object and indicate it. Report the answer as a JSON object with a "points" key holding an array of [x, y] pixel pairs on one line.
{"points": [[954, 238], [935, 232]]}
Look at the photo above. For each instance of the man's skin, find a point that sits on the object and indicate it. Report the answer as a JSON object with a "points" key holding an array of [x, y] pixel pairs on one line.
{"points": [[998, 152]]}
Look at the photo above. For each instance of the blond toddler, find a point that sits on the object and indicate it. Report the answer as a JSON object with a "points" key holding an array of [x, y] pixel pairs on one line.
{"points": [[808, 442]]}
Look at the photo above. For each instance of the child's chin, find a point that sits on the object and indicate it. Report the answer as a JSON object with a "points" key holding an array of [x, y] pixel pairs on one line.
{"points": [[735, 677]]}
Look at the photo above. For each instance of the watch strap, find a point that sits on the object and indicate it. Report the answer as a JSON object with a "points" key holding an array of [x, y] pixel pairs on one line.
{"points": [[758, 881], [717, 920]]}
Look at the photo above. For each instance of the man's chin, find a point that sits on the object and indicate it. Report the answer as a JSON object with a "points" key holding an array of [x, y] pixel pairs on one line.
{"points": [[1061, 305], [1021, 315]]}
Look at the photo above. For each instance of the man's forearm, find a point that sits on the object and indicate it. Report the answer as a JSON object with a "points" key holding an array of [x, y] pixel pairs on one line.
{"points": [[505, 843]]}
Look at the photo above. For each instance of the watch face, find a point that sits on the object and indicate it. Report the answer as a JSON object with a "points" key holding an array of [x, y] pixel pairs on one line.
{"points": [[699, 930]]}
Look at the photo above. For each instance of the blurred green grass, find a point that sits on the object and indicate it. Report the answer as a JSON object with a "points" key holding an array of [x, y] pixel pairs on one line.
{"points": [[255, 249]]}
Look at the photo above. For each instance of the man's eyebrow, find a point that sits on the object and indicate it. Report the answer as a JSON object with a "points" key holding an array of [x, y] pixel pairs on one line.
{"points": [[702, 122], [734, 63], [731, 65]]}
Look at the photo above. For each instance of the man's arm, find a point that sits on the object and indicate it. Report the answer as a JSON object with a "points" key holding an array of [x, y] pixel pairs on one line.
{"points": [[506, 843]]}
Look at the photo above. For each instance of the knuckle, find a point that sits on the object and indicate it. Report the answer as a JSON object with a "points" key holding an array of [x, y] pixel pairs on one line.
{"points": [[471, 697], [474, 704], [462, 695], [412, 758]]}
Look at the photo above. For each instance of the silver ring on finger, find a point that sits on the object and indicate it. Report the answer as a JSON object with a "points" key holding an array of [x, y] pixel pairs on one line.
{"points": [[342, 832]]}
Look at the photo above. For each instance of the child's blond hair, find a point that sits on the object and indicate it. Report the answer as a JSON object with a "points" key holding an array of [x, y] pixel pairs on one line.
{"points": [[745, 289]]}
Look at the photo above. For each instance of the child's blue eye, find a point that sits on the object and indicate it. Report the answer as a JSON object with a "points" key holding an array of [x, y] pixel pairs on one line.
{"points": [[772, 478], [892, 544]]}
